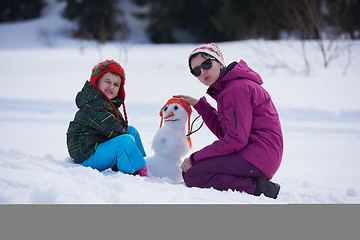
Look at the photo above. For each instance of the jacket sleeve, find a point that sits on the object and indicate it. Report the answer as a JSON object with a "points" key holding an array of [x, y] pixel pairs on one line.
{"points": [[210, 116], [103, 121], [236, 121]]}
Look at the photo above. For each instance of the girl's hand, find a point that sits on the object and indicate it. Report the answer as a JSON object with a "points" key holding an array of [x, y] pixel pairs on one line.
{"points": [[186, 165], [188, 99]]}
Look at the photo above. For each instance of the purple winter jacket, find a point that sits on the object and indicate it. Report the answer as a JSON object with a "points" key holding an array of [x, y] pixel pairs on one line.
{"points": [[246, 120]]}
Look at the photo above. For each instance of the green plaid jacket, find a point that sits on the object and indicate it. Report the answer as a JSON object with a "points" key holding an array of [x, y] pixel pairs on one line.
{"points": [[94, 123]]}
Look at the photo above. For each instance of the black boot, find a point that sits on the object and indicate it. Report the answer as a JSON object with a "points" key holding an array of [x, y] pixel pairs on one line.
{"points": [[268, 188]]}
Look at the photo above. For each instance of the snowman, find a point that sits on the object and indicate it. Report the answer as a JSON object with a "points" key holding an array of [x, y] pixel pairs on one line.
{"points": [[170, 142]]}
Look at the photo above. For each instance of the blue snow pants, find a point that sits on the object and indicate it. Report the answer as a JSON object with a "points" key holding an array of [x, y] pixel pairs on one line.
{"points": [[125, 150]]}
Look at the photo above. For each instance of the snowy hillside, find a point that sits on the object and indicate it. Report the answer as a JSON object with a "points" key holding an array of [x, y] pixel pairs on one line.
{"points": [[42, 69]]}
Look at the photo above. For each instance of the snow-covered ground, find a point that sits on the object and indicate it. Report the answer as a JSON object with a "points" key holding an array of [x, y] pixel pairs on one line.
{"points": [[42, 69]]}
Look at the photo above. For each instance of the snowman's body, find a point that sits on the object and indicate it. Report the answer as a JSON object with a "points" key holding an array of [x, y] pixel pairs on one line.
{"points": [[169, 144]]}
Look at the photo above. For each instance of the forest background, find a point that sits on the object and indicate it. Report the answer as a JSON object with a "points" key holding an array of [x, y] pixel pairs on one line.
{"points": [[191, 21]]}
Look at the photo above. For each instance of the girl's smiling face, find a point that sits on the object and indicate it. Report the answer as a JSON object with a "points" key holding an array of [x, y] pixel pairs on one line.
{"points": [[109, 84], [210, 76]]}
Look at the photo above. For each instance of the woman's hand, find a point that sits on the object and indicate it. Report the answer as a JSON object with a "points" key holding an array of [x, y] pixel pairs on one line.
{"points": [[190, 100], [186, 165]]}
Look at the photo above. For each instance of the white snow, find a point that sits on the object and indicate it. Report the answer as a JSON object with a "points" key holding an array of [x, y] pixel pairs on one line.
{"points": [[42, 69]]}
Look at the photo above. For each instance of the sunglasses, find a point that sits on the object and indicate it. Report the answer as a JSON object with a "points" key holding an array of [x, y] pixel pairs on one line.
{"points": [[207, 64]]}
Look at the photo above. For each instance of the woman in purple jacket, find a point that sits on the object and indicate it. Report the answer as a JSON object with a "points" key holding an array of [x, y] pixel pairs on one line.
{"points": [[249, 148]]}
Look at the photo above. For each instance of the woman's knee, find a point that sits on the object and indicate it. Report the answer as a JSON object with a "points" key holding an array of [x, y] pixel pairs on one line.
{"points": [[195, 177]]}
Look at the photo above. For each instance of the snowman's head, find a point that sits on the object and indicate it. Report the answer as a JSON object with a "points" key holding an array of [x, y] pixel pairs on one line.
{"points": [[174, 113]]}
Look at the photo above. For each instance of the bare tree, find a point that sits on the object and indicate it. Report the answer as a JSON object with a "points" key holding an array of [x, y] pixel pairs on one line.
{"points": [[135, 26], [294, 18], [309, 18]]}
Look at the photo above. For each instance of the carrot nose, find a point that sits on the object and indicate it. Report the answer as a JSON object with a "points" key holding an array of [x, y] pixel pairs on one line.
{"points": [[169, 115]]}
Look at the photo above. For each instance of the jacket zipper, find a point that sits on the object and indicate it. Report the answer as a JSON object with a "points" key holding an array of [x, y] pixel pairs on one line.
{"points": [[234, 112]]}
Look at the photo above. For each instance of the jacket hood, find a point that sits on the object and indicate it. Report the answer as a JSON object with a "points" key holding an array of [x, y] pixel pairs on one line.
{"points": [[89, 93], [240, 71], [234, 71]]}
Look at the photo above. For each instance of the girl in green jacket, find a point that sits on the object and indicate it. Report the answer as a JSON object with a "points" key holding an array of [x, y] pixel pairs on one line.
{"points": [[99, 137]]}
